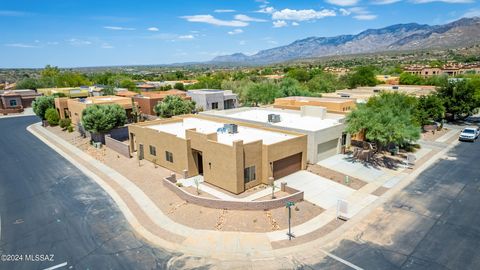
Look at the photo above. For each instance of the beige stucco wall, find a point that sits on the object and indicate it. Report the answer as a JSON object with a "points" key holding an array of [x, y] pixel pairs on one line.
{"points": [[223, 165]]}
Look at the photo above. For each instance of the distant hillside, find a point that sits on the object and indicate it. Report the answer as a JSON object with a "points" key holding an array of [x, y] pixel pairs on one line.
{"points": [[399, 37]]}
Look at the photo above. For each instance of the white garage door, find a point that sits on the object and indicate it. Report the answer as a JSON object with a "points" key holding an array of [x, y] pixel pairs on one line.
{"points": [[327, 149]]}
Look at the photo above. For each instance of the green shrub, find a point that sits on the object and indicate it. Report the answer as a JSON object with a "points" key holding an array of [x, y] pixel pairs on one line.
{"points": [[65, 123], [52, 117], [41, 104], [70, 128]]}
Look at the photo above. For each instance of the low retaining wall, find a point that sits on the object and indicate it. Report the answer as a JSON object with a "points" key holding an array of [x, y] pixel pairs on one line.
{"points": [[12, 110], [170, 183], [118, 146]]}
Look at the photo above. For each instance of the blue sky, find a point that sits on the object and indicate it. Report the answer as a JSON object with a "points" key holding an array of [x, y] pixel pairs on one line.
{"points": [[70, 33]]}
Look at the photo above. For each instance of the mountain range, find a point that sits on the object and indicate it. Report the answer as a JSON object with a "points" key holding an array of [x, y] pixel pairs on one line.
{"points": [[399, 37]]}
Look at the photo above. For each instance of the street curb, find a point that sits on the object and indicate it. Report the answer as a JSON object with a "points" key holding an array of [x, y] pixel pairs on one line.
{"points": [[275, 253], [131, 219]]}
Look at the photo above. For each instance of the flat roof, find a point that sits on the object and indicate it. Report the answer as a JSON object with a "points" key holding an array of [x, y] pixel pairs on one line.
{"points": [[104, 100], [320, 99], [209, 91], [247, 134], [288, 118]]}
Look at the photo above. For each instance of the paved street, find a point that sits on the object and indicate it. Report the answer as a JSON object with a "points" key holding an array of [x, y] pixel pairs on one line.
{"points": [[47, 206], [433, 224]]}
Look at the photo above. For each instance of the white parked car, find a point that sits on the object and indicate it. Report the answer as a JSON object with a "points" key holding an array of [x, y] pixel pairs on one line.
{"points": [[469, 134]]}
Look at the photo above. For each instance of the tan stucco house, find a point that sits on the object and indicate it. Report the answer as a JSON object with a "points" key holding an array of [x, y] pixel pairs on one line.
{"points": [[229, 154]]}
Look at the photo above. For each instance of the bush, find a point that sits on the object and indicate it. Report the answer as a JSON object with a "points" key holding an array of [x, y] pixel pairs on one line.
{"points": [[173, 105], [41, 104], [52, 117], [65, 123], [70, 128], [103, 118]]}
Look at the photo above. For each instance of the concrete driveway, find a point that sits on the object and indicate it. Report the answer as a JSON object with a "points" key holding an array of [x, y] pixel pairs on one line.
{"points": [[325, 193]]}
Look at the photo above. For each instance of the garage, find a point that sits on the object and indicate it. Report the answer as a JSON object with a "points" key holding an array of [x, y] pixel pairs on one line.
{"points": [[327, 149], [286, 166]]}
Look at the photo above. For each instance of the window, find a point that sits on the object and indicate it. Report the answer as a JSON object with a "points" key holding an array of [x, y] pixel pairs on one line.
{"points": [[169, 156], [153, 150], [214, 105], [249, 174], [13, 103]]}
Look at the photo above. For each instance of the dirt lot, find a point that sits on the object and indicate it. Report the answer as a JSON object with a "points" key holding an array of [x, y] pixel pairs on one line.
{"points": [[149, 179]]}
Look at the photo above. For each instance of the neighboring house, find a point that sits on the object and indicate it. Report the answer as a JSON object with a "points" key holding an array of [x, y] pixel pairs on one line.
{"points": [[231, 155], [333, 105], [129, 94], [212, 99], [363, 93], [325, 131], [145, 87], [22, 97], [96, 90], [73, 108], [147, 100], [71, 92], [450, 69]]}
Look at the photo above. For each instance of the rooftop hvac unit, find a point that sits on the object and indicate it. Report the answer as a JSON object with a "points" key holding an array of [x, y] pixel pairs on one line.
{"points": [[273, 118], [231, 128]]}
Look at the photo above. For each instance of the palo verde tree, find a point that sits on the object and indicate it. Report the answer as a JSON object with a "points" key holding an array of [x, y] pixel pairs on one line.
{"points": [[386, 118], [103, 118], [41, 104], [262, 93], [173, 105]]}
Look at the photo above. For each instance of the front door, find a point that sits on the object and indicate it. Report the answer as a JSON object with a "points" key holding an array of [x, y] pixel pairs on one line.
{"points": [[200, 163], [140, 151]]}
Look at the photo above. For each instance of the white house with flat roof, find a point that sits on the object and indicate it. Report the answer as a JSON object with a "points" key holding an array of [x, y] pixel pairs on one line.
{"points": [[325, 131], [212, 99]]}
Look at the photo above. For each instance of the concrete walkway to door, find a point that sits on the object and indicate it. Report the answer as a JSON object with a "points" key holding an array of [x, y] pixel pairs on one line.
{"points": [[222, 195]]}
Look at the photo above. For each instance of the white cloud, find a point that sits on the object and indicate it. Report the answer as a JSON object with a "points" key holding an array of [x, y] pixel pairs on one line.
{"points": [[362, 14], [242, 42], [235, 32], [11, 13], [20, 45], [474, 12], [79, 42], [214, 21], [365, 17], [384, 2], [52, 43], [186, 37], [302, 15], [345, 12], [224, 10], [119, 28], [106, 46], [153, 29], [295, 24], [245, 18], [267, 10], [343, 2], [279, 24]]}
